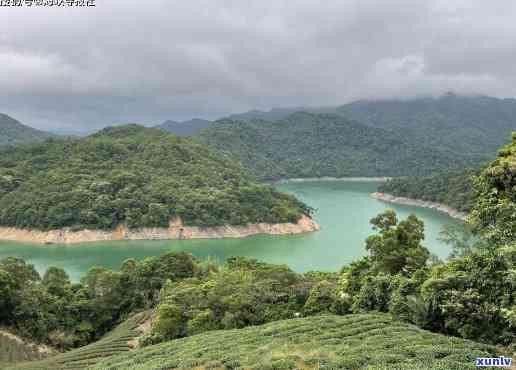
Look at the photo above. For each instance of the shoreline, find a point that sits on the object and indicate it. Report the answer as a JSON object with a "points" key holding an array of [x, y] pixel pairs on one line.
{"points": [[175, 231], [388, 198], [344, 179]]}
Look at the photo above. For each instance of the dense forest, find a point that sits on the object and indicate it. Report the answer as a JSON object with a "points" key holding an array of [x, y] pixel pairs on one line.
{"points": [[469, 123], [132, 175], [13, 132], [453, 188], [477, 125], [317, 145], [423, 136]]}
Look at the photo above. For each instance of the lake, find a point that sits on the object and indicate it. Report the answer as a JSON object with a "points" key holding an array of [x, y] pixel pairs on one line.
{"points": [[343, 209]]}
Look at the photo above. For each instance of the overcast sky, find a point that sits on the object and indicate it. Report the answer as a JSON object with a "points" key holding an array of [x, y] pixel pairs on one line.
{"points": [[151, 60]]}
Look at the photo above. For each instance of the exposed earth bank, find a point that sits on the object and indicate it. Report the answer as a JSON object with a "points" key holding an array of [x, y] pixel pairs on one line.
{"points": [[176, 230], [420, 203]]}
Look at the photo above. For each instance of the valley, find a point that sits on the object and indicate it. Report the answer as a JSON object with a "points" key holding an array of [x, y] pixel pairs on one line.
{"points": [[266, 185], [246, 228]]}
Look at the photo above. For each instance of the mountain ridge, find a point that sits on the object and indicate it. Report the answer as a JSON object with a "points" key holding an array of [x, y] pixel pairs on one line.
{"points": [[184, 128], [13, 132]]}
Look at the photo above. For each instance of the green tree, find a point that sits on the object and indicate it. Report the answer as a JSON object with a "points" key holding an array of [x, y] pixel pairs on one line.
{"points": [[494, 214], [397, 246], [56, 281], [22, 273], [7, 287]]}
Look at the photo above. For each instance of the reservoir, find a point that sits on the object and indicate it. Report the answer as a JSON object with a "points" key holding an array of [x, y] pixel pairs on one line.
{"points": [[343, 209]]}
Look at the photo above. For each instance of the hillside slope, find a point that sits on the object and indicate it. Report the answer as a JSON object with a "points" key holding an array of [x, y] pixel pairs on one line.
{"points": [[316, 145], [470, 127], [452, 188], [185, 128], [12, 132], [119, 340], [477, 125], [362, 341], [135, 176], [15, 350]]}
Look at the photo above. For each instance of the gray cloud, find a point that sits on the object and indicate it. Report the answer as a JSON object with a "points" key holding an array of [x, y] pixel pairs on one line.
{"points": [[147, 61]]}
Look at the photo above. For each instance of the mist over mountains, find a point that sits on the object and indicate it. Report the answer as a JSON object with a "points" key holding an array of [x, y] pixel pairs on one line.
{"points": [[13, 132]]}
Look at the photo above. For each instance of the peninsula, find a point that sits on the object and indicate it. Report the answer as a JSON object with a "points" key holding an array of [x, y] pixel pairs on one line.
{"points": [[132, 183]]}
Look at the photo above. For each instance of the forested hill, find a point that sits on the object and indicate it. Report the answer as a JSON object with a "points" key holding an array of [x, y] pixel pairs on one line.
{"points": [[471, 127], [132, 175], [274, 114], [13, 132], [476, 125], [452, 188], [315, 145]]}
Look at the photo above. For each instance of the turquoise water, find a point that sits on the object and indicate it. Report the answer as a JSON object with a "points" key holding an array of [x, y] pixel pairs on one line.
{"points": [[343, 209]]}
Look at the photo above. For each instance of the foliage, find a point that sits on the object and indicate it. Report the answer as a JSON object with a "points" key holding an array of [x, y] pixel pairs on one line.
{"points": [[397, 248], [453, 188], [116, 342], [13, 132], [473, 295], [317, 145], [494, 215], [65, 315], [462, 240], [132, 175], [243, 292], [371, 341]]}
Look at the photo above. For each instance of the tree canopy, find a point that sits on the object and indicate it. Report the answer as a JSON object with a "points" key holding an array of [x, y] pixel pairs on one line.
{"points": [[317, 145], [494, 214]]}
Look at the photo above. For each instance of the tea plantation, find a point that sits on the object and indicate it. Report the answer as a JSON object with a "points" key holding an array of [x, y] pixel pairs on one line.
{"points": [[114, 343], [361, 341]]}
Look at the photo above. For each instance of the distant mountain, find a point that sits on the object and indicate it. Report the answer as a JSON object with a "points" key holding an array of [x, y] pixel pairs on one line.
{"points": [[317, 145], [477, 125], [184, 128], [369, 137], [12, 132], [275, 114]]}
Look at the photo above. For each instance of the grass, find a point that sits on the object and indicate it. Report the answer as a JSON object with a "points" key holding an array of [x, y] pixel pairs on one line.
{"points": [[14, 350], [366, 341], [114, 343]]}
